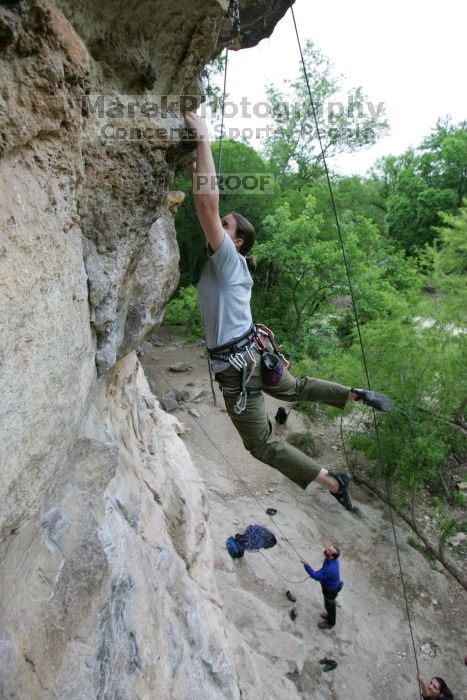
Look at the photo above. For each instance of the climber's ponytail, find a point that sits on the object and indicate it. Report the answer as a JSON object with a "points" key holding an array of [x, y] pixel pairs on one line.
{"points": [[246, 232], [251, 262]]}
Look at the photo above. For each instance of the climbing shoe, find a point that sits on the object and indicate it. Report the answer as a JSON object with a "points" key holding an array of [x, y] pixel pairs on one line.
{"points": [[330, 666], [293, 614], [373, 399], [281, 416], [291, 597], [343, 495]]}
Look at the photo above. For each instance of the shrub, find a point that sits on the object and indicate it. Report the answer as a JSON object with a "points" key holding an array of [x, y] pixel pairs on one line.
{"points": [[306, 443], [183, 311]]}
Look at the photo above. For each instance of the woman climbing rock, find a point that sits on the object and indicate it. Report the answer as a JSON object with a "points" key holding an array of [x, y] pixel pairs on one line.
{"points": [[435, 689], [244, 356]]}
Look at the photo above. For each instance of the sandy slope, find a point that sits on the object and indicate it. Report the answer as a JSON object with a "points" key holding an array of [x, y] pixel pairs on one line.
{"points": [[278, 657]]}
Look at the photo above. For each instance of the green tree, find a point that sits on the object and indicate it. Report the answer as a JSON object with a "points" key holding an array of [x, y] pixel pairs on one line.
{"points": [[447, 263], [443, 158], [343, 126], [450, 254], [183, 311], [422, 183], [308, 268], [302, 284], [421, 367]]}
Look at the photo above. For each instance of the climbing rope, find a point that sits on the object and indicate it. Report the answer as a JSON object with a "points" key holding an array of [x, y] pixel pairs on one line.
{"points": [[287, 580], [357, 323]]}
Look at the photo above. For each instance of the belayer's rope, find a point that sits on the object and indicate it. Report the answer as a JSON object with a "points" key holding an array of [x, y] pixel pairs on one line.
{"points": [[354, 306]]}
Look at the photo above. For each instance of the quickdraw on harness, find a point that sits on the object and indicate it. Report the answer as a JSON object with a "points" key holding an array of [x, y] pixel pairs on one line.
{"points": [[239, 353]]}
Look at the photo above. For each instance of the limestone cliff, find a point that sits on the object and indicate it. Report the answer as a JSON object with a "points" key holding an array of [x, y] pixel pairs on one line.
{"points": [[106, 555]]}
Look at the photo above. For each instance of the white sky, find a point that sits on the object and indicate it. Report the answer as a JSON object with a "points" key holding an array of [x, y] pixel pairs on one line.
{"points": [[409, 54]]}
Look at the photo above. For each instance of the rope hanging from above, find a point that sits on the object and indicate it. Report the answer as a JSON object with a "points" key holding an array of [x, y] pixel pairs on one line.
{"points": [[354, 306]]}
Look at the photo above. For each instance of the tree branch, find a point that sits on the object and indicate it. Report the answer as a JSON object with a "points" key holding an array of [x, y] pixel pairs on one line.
{"points": [[437, 550]]}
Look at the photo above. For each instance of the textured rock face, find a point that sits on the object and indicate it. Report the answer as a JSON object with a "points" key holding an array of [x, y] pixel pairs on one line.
{"points": [[47, 367], [256, 21], [110, 593], [95, 534]]}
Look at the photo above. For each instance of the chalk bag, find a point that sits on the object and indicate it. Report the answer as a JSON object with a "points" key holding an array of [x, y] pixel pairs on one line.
{"points": [[272, 368]]}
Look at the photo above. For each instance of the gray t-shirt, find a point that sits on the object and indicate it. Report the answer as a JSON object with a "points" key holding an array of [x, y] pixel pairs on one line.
{"points": [[224, 293]]}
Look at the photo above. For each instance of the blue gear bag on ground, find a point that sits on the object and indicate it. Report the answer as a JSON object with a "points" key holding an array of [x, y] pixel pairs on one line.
{"points": [[253, 538]]}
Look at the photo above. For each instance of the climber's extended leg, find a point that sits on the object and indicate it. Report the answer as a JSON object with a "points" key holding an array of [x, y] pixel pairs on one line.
{"points": [[309, 389], [259, 439]]}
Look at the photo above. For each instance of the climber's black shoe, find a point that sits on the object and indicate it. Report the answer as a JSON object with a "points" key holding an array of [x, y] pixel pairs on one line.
{"points": [[343, 495], [374, 399], [281, 416]]}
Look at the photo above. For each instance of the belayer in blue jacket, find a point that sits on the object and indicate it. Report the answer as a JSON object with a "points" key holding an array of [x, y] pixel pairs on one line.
{"points": [[331, 584]]}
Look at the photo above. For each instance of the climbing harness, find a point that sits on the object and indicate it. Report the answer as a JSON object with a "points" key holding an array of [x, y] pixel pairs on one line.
{"points": [[233, 347], [239, 354]]}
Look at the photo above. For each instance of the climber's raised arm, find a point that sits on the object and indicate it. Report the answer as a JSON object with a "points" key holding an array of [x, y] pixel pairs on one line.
{"points": [[205, 189]]}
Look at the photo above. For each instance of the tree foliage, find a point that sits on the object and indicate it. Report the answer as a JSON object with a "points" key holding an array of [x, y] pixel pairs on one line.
{"points": [[449, 257], [421, 367], [344, 124], [183, 312], [424, 182], [306, 268]]}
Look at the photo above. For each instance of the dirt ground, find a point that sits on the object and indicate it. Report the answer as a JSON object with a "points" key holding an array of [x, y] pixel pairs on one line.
{"points": [[278, 656]]}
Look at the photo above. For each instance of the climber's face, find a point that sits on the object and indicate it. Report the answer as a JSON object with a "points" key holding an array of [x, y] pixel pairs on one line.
{"points": [[229, 224], [434, 688]]}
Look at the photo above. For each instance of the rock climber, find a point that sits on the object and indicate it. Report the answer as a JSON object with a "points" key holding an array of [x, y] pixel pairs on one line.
{"points": [[436, 689], [331, 584], [247, 362]]}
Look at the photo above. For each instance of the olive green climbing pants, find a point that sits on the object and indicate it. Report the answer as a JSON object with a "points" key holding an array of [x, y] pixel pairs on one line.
{"points": [[255, 428]]}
